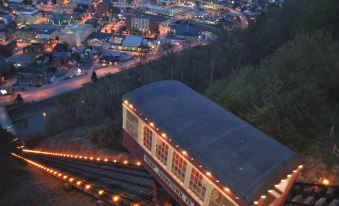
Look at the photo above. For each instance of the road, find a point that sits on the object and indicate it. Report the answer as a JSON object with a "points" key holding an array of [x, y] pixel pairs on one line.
{"points": [[61, 87]]}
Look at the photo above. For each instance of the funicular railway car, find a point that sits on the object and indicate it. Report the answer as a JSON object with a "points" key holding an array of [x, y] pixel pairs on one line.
{"points": [[202, 154]]}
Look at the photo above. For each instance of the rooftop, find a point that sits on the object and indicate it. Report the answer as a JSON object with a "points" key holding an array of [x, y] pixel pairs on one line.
{"points": [[42, 28], [132, 41], [243, 158]]}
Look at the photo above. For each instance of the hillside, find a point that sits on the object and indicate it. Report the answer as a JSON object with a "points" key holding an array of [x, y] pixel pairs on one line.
{"points": [[281, 75]]}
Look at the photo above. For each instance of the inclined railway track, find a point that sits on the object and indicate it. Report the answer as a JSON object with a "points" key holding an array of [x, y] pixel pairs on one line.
{"points": [[131, 182], [313, 195], [135, 184]]}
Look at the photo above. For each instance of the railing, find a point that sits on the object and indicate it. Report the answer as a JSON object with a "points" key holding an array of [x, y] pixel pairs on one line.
{"points": [[5, 121]]}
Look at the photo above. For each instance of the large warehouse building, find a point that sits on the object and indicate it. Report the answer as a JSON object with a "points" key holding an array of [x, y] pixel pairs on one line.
{"points": [[202, 154]]}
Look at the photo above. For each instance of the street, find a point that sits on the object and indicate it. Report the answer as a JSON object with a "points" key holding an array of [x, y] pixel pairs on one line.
{"points": [[60, 87]]}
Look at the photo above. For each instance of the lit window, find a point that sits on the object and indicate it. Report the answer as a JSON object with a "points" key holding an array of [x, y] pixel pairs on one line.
{"points": [[217, 199], [161, 151], [178, 166], [132, 124], [147, 139], [197, 184]]}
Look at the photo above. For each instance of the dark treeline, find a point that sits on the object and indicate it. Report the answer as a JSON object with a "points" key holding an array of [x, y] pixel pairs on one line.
{"points": [[281, 75]]}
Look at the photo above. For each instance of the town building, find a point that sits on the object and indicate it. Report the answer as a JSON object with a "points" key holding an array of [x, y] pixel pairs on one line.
{"points": [[36, 76], [97, 39], [66, 9], [186, 31], [7, 29], [28, 15], [139, 23], [38, 33], [129, 43], [76, 33], [202, 154], [59, 18]]}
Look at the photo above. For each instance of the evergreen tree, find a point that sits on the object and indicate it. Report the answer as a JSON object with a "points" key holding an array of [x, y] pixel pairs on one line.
{"points": [[94, 77]]}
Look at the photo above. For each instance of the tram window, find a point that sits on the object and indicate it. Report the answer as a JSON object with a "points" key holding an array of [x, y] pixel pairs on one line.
{"points": [[217, 199], [178, 166], [197, 184], [132, 125], [161, 151], [147, 139]]}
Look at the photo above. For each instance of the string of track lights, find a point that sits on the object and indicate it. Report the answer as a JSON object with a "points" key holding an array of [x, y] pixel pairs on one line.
{"points": [[84, 157], [78, 183]]}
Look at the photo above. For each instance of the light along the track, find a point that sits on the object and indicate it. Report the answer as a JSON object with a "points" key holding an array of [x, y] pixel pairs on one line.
{"points": [[92, 189], [84, 157]]}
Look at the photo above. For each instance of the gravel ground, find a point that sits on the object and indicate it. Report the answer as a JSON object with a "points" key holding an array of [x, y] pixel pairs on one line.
{"points": [[39, 189]]}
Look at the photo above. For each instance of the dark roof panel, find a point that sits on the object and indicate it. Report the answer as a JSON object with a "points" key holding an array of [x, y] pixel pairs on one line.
{"points": [[239, 155]]}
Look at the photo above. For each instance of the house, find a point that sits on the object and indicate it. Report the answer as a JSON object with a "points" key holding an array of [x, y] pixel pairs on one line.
{"points": [[34, 48]]}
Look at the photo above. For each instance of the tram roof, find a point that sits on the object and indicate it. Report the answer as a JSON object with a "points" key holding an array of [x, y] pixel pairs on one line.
{"points": [[243, 158]]}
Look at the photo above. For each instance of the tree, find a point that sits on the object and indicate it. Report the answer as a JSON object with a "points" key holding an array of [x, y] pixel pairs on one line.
{"points": [[5, 51], [289, 95], [167, 48], [6, 69], [94, 77], [7, 167], [19, 99]]}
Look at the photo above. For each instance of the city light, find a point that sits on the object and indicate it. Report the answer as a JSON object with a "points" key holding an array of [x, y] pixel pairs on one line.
{"points": [[101, 192], [325, 182]]}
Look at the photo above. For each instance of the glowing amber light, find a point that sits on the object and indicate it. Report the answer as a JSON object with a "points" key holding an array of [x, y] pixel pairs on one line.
{"points": [[300, 166], [79, 183], [91, 158], [151, 124], [115, 161], [98, 159], [71, 179], [184, 152], [138, 163], [325, 182], [126, 102], [209, 174], [125, 162], [106, 160], [163, 135], [101, 192], [88, 187], [115, 198], [227, 189], [65, 177]]}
